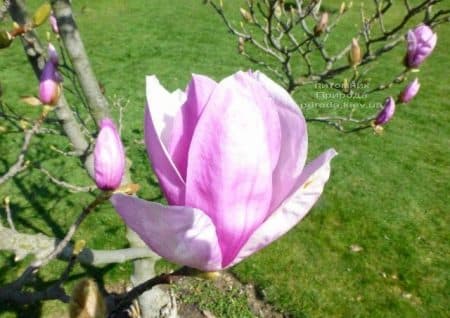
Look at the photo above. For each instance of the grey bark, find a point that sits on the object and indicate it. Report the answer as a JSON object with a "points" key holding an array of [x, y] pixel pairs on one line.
{"points": [[151, 301], [40, 245]]}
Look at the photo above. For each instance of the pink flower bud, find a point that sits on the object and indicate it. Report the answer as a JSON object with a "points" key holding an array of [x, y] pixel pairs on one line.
{"points": [[53, 24], [52, 54], [409, 92], [109, 157], [49, 88], [421, 42], [386, 113]]}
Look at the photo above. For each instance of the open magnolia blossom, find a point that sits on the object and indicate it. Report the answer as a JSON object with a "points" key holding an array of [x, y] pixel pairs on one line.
{"points": [[230, 158]]}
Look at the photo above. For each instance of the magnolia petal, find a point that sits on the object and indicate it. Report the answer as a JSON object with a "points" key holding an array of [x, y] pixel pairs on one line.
{"points": [[182, 235], [234, 149], [159, 113], [198, 92], [312, 182], [294, 143], [163, 107]]}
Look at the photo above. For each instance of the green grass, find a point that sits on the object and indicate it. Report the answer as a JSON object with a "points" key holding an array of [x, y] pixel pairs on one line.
{"points": [[387, 194]]}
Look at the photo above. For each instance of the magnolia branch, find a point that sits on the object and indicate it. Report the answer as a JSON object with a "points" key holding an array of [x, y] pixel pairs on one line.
{"points": [[19, 283], [283, 23], [123, 301], [70, 187], [71, 38], [97, 103], [40, 245], [33, 50], [20, 163]]}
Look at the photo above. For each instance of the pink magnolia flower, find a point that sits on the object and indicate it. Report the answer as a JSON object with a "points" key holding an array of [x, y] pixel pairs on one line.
{"points": [[230, 158], [421, 42], [386, 113], [109, 157], [409, 92], [49, 84], [53, 24]]}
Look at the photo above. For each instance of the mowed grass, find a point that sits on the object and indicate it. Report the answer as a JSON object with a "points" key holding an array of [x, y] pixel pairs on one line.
{"points": [[387, 194]]}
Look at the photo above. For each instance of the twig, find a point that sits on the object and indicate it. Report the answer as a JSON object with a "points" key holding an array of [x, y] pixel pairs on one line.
{"points": [[66, 185], [121, 104], [34, 52], [65, 153], [337, 121], [40, 246], [165, 278], [29, 272], [19, 165], [6, 202], [71, 38]]}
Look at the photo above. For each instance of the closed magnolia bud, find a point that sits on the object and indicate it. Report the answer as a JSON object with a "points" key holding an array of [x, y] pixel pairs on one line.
{"points": [[409, 92], [345, 86], [5, 39], [386, 113], [109, 157], [49, 84], [342, 8], [53, 24], [277, 10], [42, 14], [321, 25], [241, 42], [87, 301], [246, 15], [355, 53]]}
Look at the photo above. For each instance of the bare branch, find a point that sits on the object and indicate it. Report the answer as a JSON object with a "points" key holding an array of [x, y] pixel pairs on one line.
{"points": [[34, 267], [20, 164], [70, 35], [66, 185], [34, 52], [40, 245], [124, 300], [6, 202]]}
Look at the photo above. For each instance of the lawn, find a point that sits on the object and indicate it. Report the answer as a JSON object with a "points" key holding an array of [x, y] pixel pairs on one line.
{"points": [[387, 195]]}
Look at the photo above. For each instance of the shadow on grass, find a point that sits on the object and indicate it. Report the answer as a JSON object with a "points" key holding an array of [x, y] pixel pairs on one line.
{"points": [[36, 309], [35, 196]]}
